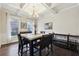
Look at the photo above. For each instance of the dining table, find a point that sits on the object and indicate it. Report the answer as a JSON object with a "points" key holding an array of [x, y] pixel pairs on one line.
{"points": [[31, 38]]}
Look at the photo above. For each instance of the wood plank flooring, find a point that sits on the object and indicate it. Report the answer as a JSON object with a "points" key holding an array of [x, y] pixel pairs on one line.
{"points": [[12, 50]]}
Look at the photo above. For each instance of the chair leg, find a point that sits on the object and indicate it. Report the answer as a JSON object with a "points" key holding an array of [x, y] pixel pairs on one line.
{"points": [[21, 50], [52, 49], [76, 49], [40, 52], [18, 49]]}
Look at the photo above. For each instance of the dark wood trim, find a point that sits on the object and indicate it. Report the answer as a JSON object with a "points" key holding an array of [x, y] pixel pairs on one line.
{"points": [[60, 34], [66, 35], [74, 35]]}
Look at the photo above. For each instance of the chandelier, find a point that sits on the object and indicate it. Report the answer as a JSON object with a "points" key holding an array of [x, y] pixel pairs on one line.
{"points": [[34, 13], [35, 17]]}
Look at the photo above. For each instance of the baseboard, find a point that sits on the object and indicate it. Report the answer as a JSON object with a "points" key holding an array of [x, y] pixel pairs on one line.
{"points": [[0, 46], [8, 44]]}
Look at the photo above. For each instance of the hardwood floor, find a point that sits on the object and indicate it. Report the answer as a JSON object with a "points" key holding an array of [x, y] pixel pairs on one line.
{"points": [[12, 50], [9, 50]]}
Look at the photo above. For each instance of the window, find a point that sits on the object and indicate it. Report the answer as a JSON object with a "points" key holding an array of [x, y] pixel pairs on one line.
{"points": [[29, 26], [14, 27]]}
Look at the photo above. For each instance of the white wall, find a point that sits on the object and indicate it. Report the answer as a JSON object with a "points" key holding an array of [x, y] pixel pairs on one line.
{"points": [[41, 25], [3, 26], [64, 22], [67, 21], [0, 27]]}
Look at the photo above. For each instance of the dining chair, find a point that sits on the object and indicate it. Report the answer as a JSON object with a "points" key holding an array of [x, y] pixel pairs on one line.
{"points": [[44, 43], [22, 42], [42, 32]]}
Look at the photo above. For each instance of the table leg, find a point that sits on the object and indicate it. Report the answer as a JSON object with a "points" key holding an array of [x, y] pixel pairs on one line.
{"points": [[31, 48], [51, 47]]}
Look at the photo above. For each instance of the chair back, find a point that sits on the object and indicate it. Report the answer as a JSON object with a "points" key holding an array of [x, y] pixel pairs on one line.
{"points": [[22, 40], [42, 32], [45, 41], [19, 39], [25, 32]]}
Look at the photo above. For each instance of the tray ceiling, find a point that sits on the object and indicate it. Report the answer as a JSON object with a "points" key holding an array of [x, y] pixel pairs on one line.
{"points": [[40, 8]]}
